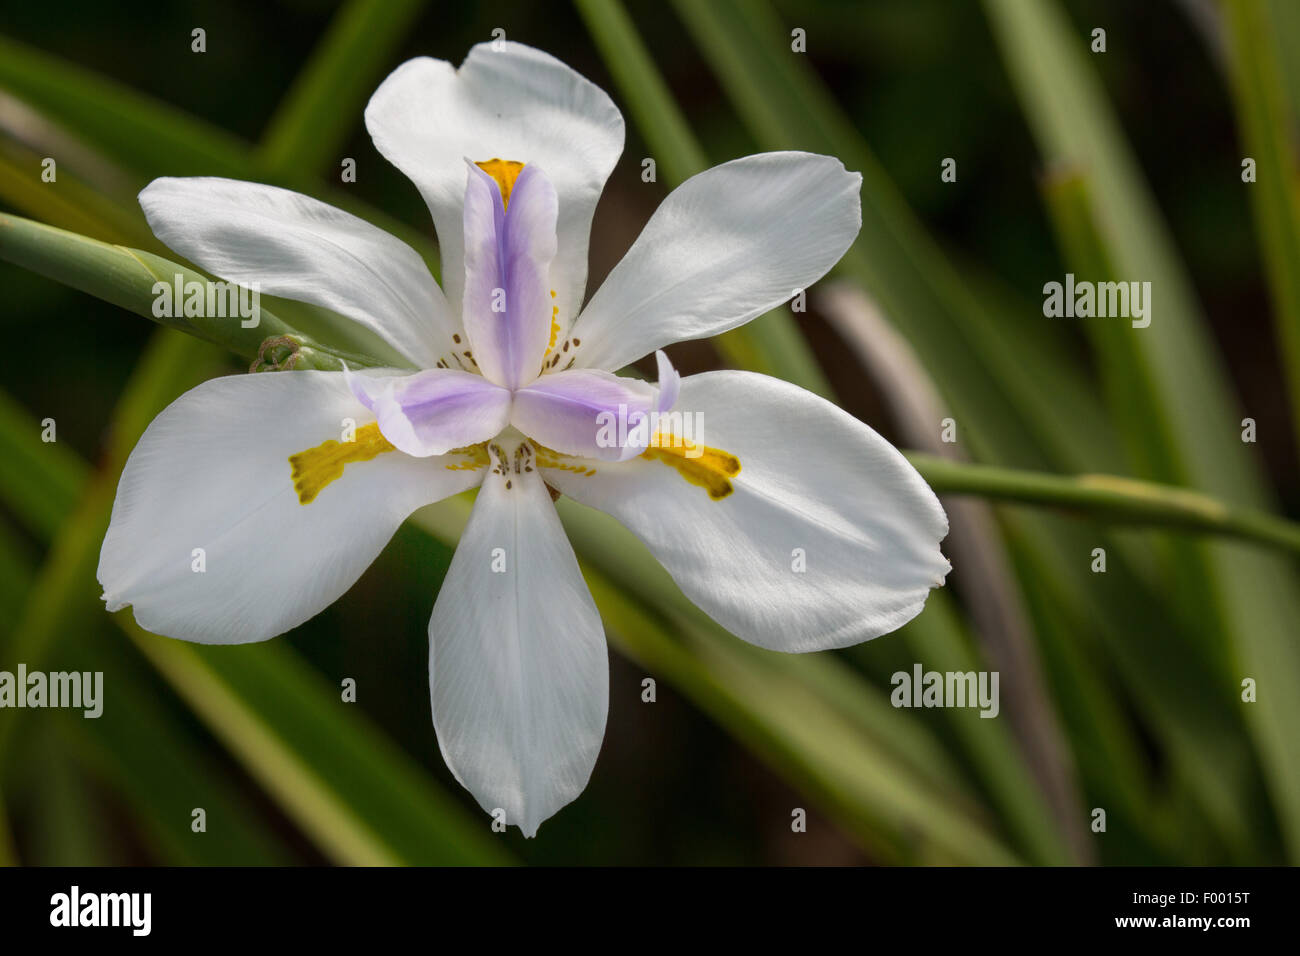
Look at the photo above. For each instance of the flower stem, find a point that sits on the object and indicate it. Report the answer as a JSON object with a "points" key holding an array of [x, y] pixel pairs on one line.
{"points": [[1110, 498]]}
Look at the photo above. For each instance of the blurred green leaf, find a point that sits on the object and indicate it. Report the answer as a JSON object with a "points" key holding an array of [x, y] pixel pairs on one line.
{"points": [[163, 771], [323, 105], [1240, 604], [1267, 128], [135, 744], [989, 370], [150, 139], [770, 343], [143, 133]]}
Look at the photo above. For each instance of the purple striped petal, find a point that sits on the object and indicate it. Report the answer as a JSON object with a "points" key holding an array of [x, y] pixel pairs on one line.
{"points": [[587, 412], [509, 247], [431, 412]]}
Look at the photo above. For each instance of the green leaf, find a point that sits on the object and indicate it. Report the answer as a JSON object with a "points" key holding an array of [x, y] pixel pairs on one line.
{"points": [[1239, 605], [321, 109], [1266, 121], [150, 139], [1110, 498], [989, 371], [140, 747], [128, 277], [770, 343]]}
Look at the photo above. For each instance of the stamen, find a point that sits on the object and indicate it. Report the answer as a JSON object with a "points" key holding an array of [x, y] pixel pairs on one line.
{"points": [[313, 469]]}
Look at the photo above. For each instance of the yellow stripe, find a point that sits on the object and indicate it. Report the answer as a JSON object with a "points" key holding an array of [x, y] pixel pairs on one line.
{"points": [[315, 468], [505, 172], [710, 468]]}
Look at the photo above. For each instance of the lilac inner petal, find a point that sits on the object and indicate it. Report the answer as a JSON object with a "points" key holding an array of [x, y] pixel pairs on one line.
{"points": [[508, 253], [431, 412], [670, 382], [587, 412]]}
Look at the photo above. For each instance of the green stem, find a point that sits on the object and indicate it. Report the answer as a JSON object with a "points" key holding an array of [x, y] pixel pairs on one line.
{"points": [[1110, 498], [126, 277]]}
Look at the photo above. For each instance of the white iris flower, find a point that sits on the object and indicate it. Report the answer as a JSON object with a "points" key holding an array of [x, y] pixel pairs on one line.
{"points": [[790, 523]]}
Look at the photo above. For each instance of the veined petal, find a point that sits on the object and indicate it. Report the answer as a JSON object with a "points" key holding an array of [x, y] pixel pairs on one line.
{"points": [[518, 670], [799, 529], [293, 246], [433, 411], [209, 538], [508, 254], [507, 101], [725, 246], [587, 412]]}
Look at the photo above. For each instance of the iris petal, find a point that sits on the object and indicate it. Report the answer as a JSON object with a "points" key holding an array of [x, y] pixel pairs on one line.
{"points": [[508, 255]]}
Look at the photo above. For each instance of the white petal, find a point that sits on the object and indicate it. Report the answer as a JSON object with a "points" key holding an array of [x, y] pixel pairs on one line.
{"points": [[293, 246], [817, 489], [212, 472], [518, 670], [512, 103], [724, 247]]}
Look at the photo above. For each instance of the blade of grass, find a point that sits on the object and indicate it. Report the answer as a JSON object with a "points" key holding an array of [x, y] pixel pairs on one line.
{"points": [[137, 748], [1247, 600], [321, 109], [981, 364], [772, 341], [142, 133], [162, 772], [1266, 122], [150, 139]]}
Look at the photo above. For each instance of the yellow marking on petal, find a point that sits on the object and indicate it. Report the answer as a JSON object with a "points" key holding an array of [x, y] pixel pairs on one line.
{"points": [[505, 172], [710, 468], [580, 469], [315, 468], [477, 456], [555, 327]]}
